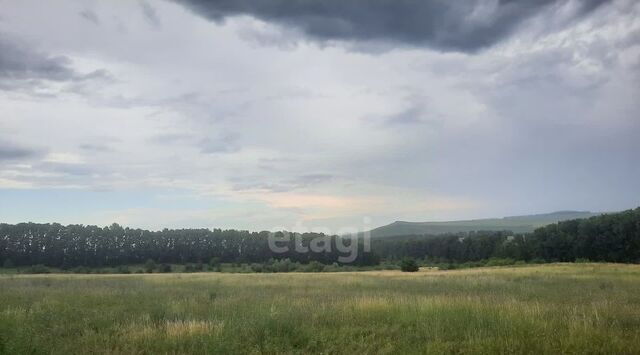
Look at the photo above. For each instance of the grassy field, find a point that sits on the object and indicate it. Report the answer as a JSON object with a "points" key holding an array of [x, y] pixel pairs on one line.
{"points": [[558, 308]]}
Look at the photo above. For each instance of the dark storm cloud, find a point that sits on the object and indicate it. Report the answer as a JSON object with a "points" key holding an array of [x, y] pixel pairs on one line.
{"points": [[442, 24]]}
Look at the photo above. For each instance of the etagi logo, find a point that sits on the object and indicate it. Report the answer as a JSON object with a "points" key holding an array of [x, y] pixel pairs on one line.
{"points": [[347, 240]]}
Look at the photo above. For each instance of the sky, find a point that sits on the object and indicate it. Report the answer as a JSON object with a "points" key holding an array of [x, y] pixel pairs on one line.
{"points": [[305, 115]]}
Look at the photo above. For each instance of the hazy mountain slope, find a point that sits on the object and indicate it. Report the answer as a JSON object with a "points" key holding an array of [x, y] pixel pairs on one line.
{"points": [[517, 224]]}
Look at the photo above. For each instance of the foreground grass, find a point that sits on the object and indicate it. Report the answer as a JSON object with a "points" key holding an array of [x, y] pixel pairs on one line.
{"points": [[567, 308]]}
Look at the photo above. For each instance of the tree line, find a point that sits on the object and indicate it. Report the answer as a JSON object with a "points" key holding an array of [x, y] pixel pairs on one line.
{"points": [[79, 245], [611, 237]]}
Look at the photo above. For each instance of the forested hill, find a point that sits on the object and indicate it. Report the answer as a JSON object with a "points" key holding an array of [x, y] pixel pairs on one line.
{"points": [[516, 224], [611, 237]]}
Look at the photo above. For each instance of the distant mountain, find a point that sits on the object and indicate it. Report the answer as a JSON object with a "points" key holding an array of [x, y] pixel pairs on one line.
{"points": [[516, 224]]}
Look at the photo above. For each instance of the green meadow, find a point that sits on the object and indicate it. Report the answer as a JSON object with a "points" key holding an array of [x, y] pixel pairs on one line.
{"points": [[552, 308]]}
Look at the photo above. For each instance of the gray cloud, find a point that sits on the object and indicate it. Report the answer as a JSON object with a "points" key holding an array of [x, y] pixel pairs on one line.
{"points": [[209, 145], [18, 62], [225, 144], [285, 185], [150, 14], [441, 24], [24, 68], [13, 152], [95, 148], [67, 169], [171, 138], [90, 16]]}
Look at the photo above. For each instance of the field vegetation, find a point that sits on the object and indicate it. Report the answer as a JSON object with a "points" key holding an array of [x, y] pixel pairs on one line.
{"points": [[553, 308]]}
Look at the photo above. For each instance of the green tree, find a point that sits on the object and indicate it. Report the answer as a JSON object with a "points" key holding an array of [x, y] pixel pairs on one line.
{"points": [[408, 265]]}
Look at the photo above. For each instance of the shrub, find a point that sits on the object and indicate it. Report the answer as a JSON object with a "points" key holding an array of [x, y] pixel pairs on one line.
{"points": [[123, 269], [38, 269], [199, 266], [165, 268], [314, 266], [446, 266], [284, 265], [256, 267], [332, 268], [8, 263], [149, 266], [582, 260], [214, 262], [408, 265]]}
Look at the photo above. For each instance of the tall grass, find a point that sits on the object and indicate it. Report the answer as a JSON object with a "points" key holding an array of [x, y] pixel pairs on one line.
{"points": [[585, 308]]}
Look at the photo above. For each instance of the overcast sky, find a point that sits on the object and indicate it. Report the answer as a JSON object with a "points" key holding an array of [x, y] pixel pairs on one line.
{"points": [[292, 114]]}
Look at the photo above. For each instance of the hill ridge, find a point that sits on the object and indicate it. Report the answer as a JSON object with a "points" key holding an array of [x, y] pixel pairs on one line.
{"points": [[516, 223]]}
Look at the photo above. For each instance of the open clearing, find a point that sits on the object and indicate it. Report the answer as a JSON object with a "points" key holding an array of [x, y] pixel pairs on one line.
{"points": [[568, 308]]}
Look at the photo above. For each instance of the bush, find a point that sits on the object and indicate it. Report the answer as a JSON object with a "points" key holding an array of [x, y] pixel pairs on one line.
{"points": [[149, 266], [214, 263], [314, 266], [8, 263], [582, 260], [284, 265], [123, 269], [38, 269], [446, 266], [408, 265], [332, 268], [256, 267], [199, 266], [165, 268], [189, 268]]}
